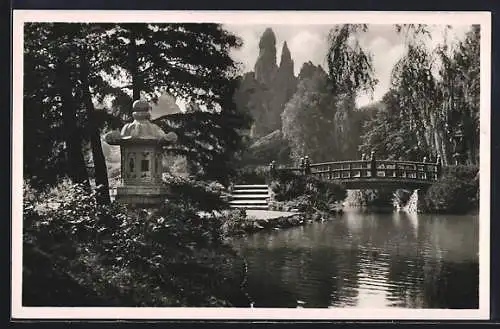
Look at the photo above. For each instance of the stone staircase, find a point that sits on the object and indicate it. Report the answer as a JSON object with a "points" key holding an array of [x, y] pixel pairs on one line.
{"points": [[250, 197]]}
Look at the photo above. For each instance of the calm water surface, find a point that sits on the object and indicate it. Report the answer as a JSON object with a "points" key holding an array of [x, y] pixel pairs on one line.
{"points": [[366, 260]]}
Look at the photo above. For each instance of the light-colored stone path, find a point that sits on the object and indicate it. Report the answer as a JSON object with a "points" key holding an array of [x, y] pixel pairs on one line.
{"points": [[269, 214]]}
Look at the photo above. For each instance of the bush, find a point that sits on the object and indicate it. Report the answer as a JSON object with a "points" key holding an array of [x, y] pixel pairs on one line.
{"points": [[124, 257], [205, 196], [311, 192], [234, 222], [457, 191], [302, 203], [266, 149], [252, 175]]}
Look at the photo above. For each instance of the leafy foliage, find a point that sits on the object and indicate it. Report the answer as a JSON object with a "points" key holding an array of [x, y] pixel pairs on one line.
{"points": [[72, 66], [127, 257], [459, 93], [416, 100], [252, 175], [190, 62], [314, 194], [304, 121], [205, 196], [387, 134], [323, 108], [349, 66], [272, 147], [413, 32], [434, 98], [457, 191], [235, 222], [207, 140], [53, 132], [319, 124]]}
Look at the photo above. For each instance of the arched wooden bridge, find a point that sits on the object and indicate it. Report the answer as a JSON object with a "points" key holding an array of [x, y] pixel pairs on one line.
{"points": [[370, 174]]}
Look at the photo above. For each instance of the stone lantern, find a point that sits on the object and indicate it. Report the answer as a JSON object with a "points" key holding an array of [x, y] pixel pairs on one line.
{"points": [[141, 144]]}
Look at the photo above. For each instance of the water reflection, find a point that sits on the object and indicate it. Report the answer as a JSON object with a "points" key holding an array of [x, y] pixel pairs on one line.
{"points": [[367, 260]]}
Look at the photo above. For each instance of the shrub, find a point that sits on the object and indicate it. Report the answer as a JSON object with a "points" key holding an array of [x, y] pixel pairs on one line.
{"points": [[234, 222], [302, 203], [455, 192], [252, 175], [205, 196], [287, 185], [122, 256], [312, 192]]}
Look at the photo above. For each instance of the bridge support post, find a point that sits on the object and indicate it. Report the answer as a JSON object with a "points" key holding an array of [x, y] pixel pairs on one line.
{"points": [[439, 166], [272, 170], [373, 165], [302, 165], [307, 165]]}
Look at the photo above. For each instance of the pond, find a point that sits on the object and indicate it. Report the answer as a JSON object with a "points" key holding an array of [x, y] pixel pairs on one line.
{"points": [[366, 260]]}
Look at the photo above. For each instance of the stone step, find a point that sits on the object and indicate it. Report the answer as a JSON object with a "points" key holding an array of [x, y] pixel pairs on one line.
{"points": [[236, 206], [253, 191], [246, 201], [250, 196], [250, 186]]}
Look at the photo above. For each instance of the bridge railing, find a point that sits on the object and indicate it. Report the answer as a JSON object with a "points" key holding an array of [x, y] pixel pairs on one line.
{"points": [[382, 169], [368, 169]]}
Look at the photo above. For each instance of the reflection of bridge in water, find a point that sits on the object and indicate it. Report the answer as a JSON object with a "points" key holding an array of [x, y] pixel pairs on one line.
{"points": [[370, 174]]}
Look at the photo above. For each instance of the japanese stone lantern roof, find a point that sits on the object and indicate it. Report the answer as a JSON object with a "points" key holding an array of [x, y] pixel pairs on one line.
{"points": [[141, 130]]}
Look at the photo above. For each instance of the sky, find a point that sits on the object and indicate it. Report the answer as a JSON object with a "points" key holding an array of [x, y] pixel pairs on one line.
{"points": [[309, 43]]}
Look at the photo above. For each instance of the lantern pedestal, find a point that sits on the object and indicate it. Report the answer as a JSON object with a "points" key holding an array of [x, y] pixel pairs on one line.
{"points": [[141, 195]]}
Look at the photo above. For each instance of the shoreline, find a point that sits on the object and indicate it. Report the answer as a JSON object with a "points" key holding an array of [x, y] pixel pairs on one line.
{"points": [[283, 220]]}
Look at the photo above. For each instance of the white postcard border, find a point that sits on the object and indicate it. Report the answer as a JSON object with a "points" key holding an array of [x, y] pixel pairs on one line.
{"points": [[250, 17]]}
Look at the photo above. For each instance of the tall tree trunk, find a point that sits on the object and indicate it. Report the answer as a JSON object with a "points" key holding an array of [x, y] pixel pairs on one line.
{"points": [[439, 138], [76, 163], [134, 67], [443, 147], [101, 171]]}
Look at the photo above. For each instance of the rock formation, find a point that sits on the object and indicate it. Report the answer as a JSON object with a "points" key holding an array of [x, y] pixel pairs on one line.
{"points": [[284, 86], [286, 63], [264, 92], [265, 67]]}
